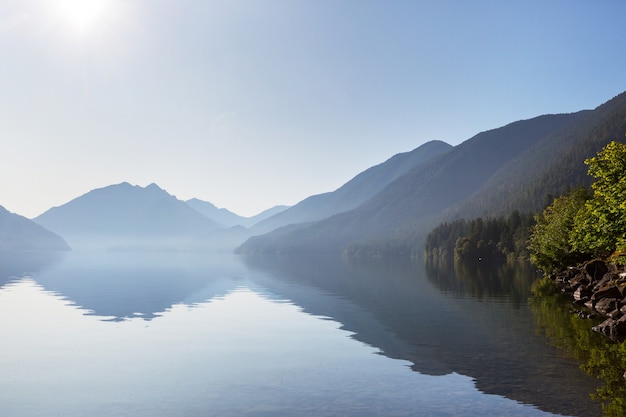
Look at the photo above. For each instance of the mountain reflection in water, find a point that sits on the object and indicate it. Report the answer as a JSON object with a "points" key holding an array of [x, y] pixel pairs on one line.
{"points": [[461, 321], [16, 264], [122, 285], [474, 321]]}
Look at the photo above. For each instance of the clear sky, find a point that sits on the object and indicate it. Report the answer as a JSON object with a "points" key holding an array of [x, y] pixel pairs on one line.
{"points": [[253, 103]]}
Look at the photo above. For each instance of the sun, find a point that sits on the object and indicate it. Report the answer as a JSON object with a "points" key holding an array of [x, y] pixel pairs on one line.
{"points": [[82, 14]]}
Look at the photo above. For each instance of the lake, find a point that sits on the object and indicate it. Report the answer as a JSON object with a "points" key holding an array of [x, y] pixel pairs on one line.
{"points": [[183, 334]]}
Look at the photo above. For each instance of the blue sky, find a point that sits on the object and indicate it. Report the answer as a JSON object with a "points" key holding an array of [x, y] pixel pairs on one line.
{"points": [[252, 103]]}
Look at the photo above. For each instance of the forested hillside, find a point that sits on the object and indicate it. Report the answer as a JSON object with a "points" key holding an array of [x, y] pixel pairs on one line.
{"points": [[530, 181], [406, 210], [520, 166], [356, 191], [555, 165], [481, 239]]}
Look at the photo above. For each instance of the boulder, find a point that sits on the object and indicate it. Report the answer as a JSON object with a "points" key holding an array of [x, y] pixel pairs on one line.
{"points": [[578, 281], [582, 294], [605, 326], [612, 328], [595, 269], [621, 286], [605, 305], [606, 278], [608, 291]]}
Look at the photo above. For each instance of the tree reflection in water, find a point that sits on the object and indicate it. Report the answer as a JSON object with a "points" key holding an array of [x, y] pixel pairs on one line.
{"points": [[482, 279], [553, 314], [598, 357]]}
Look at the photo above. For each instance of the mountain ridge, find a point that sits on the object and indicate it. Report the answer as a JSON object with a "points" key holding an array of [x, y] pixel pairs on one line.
{"points": [[396, 217], [512, 167], [17, 233], [557, 163], [227, 218], [124, 211], [359, 189]]}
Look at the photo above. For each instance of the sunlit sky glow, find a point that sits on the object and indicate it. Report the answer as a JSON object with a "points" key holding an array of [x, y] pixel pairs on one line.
{"points": [[253, 103], [81, 13]]}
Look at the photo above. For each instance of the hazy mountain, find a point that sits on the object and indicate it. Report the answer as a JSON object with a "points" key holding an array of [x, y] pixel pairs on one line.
{"points": [[356, 191], [410, 206], [227, 218], [17, 233], [549, 168], [126, 214]]}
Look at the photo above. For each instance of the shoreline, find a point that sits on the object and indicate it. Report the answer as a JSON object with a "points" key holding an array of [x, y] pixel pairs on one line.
{"points": [[600, 287]]}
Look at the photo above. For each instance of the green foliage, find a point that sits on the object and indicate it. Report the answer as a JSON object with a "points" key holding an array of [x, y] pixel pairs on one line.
{"points": [[489, 238], [600, 227], [580, 226], [550, 238], [619, 256], [576, 227]]}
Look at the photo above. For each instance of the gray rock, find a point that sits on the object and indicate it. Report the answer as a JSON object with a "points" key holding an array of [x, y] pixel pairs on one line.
{"points": [[606, 305], [582, 294], [608, 291]]}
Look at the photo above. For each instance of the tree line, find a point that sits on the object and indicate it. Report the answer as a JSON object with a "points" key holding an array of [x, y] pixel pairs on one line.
{"points": [[490, 238], [582, 224]]}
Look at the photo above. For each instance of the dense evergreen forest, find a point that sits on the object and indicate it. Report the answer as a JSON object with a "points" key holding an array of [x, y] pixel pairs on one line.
{"points": [[496, 238], [580, 225]]}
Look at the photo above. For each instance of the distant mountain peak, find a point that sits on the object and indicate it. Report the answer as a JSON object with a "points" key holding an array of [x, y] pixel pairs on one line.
{"points": [[356, 191], [153, 186], [126, 211], [226, 217]]}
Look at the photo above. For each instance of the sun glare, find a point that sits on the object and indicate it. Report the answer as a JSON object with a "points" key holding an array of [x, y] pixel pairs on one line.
{"points": [[82, 14]]}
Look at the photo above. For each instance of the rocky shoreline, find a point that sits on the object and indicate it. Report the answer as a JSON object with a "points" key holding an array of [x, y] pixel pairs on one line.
{"points": [[600, 287]]}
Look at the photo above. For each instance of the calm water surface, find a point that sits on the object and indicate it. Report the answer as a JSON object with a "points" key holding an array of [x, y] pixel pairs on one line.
{"points": [[118, 334]]}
